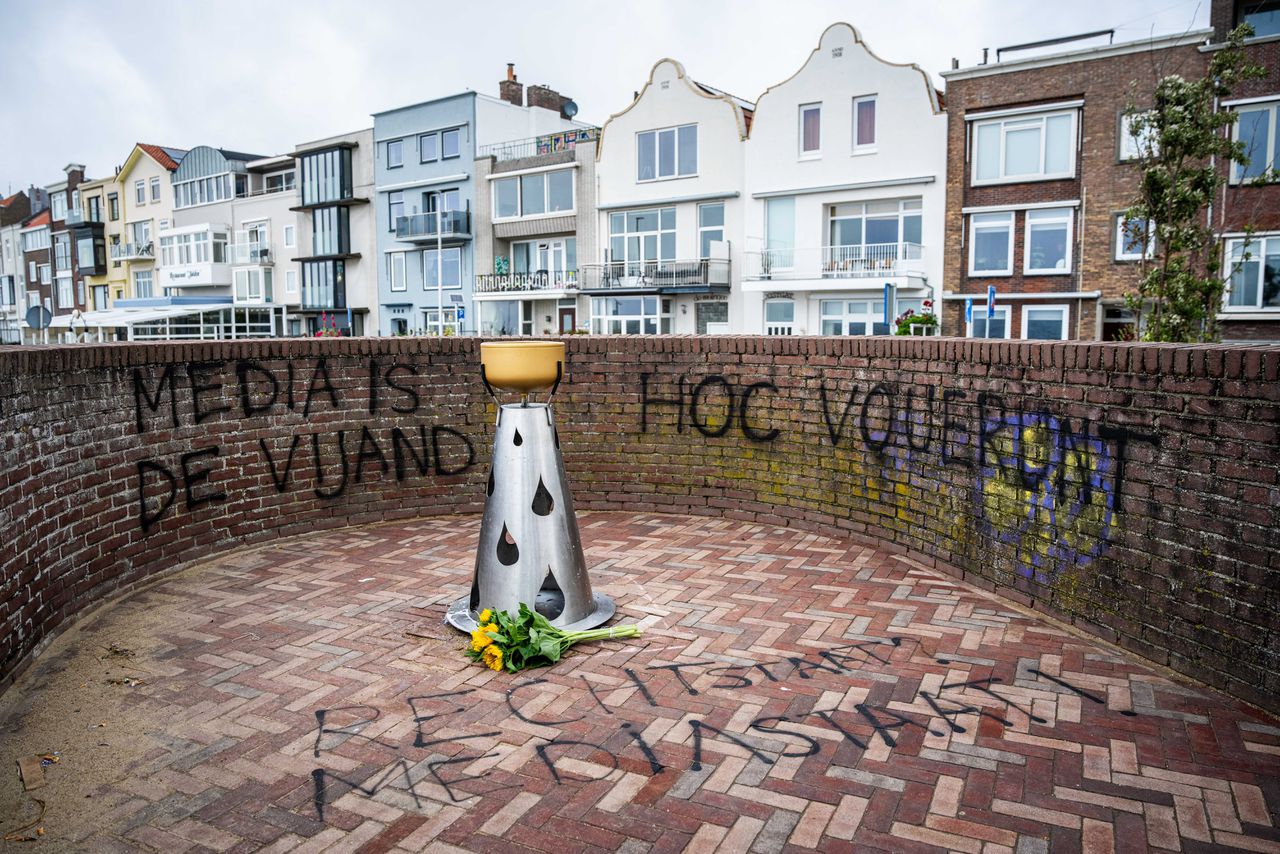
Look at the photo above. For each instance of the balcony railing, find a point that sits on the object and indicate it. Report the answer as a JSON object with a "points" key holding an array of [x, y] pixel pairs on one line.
{"points": [[621, 275], [251, 253], [453, 224], [543, 280], [534, 146], [872, 260], [132, 251]]}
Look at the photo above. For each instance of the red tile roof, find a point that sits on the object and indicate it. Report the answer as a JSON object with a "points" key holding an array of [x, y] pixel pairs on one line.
{"points": [[160, 155], [4, 203], [45, 217]]}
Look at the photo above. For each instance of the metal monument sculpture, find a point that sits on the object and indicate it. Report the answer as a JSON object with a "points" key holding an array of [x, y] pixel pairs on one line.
{"points": [[529, 549]]}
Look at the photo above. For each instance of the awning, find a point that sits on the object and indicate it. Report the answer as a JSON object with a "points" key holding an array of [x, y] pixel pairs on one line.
{"points": [[130, 316]]}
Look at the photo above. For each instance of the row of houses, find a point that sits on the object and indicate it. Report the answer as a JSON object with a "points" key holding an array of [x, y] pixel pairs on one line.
{"points": [[841, 197]]}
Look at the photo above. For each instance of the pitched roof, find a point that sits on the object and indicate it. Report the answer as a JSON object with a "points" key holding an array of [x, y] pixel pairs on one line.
{"points": [[166, 157], [4, 203], [45, 217]]}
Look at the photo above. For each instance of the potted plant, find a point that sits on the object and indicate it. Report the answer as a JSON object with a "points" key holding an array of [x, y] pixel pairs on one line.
{"points": [[923, 324]]}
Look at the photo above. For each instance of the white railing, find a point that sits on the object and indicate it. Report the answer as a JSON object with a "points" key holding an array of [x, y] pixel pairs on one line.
{"points": [[126, 251], [251, 253], [837, 262]]}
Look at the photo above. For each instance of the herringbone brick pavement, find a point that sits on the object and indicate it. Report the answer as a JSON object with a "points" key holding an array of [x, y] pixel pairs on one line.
{"points": [[789, 692]]}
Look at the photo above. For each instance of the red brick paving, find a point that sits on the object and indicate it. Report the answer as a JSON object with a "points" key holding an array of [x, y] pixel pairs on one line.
{"points": [[795, 692]]}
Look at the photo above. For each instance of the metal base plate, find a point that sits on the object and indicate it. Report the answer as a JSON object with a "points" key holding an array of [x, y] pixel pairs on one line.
{"points": [[461, 618]]}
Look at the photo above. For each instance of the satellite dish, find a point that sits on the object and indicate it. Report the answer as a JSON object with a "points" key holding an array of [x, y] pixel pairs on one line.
{"points": [[38, 317], [570, 109]]}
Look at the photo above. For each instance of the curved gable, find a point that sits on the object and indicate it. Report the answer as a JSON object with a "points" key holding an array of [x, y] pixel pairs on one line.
{"points": [[204, 161]]}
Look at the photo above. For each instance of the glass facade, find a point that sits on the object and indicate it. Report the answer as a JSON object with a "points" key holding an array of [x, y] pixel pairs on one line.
{"points": [[325, 176]]}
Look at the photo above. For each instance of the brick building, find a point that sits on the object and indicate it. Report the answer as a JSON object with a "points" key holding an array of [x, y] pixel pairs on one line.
{"points": [[1251, 306], [1038, 176], [65, 215]]}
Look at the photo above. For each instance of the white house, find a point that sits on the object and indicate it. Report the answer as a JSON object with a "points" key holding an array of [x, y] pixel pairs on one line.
{"points": [[669, 175], [846, 190]]}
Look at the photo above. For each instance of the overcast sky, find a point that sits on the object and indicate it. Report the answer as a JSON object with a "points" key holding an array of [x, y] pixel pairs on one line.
{"points": [[82, 81]]}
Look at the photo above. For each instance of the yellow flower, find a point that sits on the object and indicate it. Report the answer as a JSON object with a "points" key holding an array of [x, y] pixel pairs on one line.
{"points": [[492, 628], [486, 615], [480, 640], [493, 657]]}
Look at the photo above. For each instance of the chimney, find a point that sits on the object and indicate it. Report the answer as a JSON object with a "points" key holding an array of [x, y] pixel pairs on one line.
{"points": [[955, 63], [511, 90], [548, 99], [984, 55]]}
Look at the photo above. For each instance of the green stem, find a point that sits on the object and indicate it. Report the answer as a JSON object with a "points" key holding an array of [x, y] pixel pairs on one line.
{"points": [[602, 634]]}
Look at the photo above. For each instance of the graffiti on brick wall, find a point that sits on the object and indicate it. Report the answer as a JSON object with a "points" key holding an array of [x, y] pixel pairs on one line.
{"points": [[1045, 488], [329, 462]]}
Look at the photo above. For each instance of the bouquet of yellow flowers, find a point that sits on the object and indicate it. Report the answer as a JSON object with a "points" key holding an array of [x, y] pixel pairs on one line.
{"points": [[504, 642]]}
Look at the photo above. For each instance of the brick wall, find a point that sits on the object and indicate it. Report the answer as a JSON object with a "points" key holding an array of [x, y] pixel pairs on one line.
{"points": [[1130, 489]]}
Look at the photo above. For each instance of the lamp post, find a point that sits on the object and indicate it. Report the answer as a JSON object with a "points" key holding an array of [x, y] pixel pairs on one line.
{"points": [[439, 268]]}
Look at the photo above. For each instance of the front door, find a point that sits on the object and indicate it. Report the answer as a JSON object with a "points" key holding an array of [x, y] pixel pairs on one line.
{"points": [[568, 319]]}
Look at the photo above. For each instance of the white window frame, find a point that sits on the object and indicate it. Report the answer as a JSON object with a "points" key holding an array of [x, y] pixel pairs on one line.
{"points": [[1256, 247], [291, 282], [1131, 147], [1001, 311], [155, 189], [140, 192], [447, 251], [1047, 216], [1118, 235], [457, 132], [657, 157], [396, 262], [399, 158], [1029, 307], [866, 147], [809, 153], [434, 135], [46, 273], [976, 125], [546, 195], [290, 236], [703, 229], [58, 206], [151, 283], [974, 226], [1272, 156], [778, 327]]}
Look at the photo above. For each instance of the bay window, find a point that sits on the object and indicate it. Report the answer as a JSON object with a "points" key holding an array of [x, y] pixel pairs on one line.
{"points": [[667, 153], [1047, 243], [1024, 148]]}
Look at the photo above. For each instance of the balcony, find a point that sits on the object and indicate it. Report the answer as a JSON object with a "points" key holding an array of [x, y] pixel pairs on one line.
{"points": [[553, 283], [453, 226], [836, 267], [537, 146], [133, 251], [252, 253], [703, 275]]}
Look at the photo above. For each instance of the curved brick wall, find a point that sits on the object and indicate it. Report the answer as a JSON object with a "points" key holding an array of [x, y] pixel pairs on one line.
{"points": [[1129, 489]]}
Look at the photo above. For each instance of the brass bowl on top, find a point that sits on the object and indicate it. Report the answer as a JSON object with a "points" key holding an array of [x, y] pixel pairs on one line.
{"points": [[523, 366]]}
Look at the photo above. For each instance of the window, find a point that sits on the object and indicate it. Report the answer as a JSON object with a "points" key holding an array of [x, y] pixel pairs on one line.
{"points": [[62, 253], [35, 240], [640, 239], [444, 266], [253, 284], [1135, 239], [142, 284], [1044, 322], [1258, 128], [869, 236], [779, 317], [810, 129], [632, 315], [431, 321], [1263, 16], [396, 271], [451, 144], [65, 299], [291, 282], [428, 147], [325, 176], [1024, 148], [395, 153], [280, 182], [710, 227], [330, 231], [537, 193], [155, 189], [395, 208], [113, 206], [46, 274], [853, 317], [289, 236], [140, 192], [864, 123], [999, 322], [95, 209], [780, 233], [667, 153], [58, 201], [140, 232], [991, 244], [1255, 273], [442, 200], [1047, 243], [324, 284], [1140, 143], [202, 191]]}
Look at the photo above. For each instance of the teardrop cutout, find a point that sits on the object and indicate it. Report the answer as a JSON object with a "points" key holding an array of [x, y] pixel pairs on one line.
{"points": [[543, 503], [518, 440], [508, 551], [489, 490]]}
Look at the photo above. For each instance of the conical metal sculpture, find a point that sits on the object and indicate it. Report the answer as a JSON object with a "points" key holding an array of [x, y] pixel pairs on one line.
{"points": [[529, 550]]}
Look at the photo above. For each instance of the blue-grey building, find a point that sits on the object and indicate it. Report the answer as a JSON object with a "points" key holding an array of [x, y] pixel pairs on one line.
{"points": [[426, 190]]}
